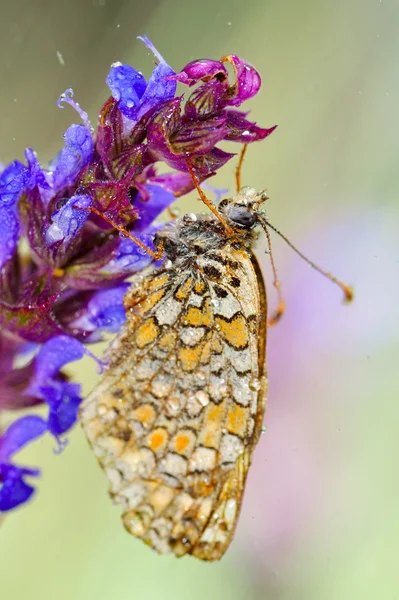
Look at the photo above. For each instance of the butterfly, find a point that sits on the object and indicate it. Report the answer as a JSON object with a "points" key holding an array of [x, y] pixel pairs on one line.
{"points": [[175, 420]]}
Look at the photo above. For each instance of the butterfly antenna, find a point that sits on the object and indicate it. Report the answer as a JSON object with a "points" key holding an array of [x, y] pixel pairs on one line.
{"points": [[347, 289]]}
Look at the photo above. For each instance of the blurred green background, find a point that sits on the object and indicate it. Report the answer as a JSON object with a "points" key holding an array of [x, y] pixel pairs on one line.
{"points": [[320, 519]]}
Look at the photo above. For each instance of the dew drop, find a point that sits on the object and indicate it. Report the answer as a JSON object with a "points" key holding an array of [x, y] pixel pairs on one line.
{"points": [[255, 384], [185, 541], [190, 218], [202, 397]]}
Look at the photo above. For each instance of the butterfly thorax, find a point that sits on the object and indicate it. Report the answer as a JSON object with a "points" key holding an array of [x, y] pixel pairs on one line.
{"points": [[195, 235]]}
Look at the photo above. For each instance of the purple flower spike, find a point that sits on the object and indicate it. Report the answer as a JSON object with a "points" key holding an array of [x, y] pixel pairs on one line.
{"points": [[67, 222], [13, 488], [75, 155]]}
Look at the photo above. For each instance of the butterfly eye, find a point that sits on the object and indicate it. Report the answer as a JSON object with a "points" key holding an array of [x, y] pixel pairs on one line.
{"points": [[242, 216]]}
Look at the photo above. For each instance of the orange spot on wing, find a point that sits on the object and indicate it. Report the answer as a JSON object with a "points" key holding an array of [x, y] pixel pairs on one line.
{"points": [[199, 287], [181, 443], [152, 300], [235, 332], [157, 439], [145, 414], [198, 317], [202, 489], [237, 420], [213, 425], [184, 290], [206, 353], [146, 333], [189, 357]]}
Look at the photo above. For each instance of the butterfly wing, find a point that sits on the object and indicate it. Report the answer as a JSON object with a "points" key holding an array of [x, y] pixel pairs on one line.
{"points": [[175, 420]]}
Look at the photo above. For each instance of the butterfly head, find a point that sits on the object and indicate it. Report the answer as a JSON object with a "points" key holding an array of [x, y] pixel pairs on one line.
{"points": [[242, 210]]}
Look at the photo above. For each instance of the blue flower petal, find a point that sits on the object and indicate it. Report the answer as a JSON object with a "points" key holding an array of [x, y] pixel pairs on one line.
{"points": [[63, 399], [106, 310], [135, 97], [129, 257], [36, 175], [159, 87], [127, 86], [19, 433], [77, 152], [67, 222], [150, 209], [9, 233], [52, 356], [67, 97], [13, 489], [12, 181], [219, 192]]}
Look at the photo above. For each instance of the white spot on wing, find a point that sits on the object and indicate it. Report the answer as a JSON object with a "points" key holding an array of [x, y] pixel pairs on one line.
{"points": [[168, 312]]}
